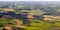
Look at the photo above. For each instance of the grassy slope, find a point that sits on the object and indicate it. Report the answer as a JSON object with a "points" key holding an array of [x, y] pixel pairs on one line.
{"points": [[35, 24], [42, 25]]}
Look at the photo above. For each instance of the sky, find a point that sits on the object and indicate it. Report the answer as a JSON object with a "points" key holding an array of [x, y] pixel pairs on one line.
{"points": [[29, 0]]}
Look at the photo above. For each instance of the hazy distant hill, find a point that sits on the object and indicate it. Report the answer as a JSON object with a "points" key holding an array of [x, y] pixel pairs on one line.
{"points": [[47, 7]]}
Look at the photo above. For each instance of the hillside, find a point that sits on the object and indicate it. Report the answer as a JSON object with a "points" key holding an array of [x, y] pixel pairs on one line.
{"points": [[23, 15]]}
